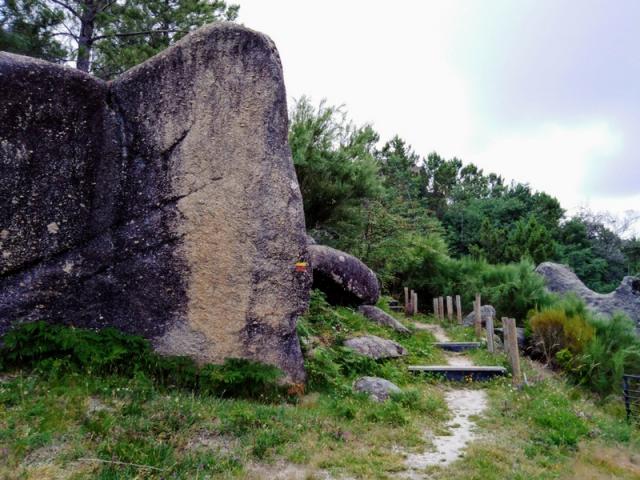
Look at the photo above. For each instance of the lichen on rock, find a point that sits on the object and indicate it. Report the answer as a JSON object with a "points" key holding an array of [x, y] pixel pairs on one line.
{"points": [[164, 203], [626, 298]]}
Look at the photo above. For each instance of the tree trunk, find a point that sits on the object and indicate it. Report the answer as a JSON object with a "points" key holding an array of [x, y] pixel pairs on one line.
{"points": [[85, 40]]}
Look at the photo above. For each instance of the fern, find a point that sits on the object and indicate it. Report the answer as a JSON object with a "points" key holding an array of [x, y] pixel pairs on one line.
{"points": [[57, 350]]}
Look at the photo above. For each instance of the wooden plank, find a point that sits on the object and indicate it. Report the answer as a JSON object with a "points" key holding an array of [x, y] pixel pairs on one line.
{"points": [[441, 308], [457, 346], [435, 308], [460, 374], [452, 368], [459, 309], [414, 302], [450, 308]]}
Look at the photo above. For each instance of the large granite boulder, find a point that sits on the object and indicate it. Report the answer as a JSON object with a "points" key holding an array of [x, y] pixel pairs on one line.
{"points": [[378, 389], [626, 298], [382, 318], [375, 347], [342, 277], [164, 203], [486, 312]]}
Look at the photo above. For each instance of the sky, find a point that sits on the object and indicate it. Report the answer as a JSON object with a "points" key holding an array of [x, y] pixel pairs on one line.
{"points": [[544, 92]]}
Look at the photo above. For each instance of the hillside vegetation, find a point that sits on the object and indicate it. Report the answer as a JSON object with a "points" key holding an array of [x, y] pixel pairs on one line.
{"points": [[440, 226], [93, 406]]}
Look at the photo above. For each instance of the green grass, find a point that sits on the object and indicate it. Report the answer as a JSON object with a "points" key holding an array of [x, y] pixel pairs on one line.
{"points": [[61, 422]]}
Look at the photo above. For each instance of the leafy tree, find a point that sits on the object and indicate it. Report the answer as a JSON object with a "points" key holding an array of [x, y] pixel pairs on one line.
{"points": [[109, 36], [530, 239]]}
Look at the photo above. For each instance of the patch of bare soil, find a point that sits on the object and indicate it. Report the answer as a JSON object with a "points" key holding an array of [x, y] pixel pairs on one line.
{"points": [[463, 405], [44, 455], [597, 462], [282, 470], [435, 329]]}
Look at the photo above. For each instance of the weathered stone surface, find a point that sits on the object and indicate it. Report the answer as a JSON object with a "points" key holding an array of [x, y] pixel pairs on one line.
{"points": [[342, 277], [164, 203], [378, 389], [375, 347], [382, 318], [486, 311], [625, 298]]}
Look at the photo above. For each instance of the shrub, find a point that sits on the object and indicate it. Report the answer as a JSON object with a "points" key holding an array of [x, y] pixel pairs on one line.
{"points": [[614, 350], [554, 331], [513, 289], [58, 349]]}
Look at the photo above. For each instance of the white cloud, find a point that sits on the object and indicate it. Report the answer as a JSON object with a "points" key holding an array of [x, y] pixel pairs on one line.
{"points": [[419, 70], [551, 157]]}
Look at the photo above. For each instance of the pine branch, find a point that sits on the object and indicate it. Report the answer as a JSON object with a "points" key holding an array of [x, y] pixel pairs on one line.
{"points": [[133, 34], [67, 7]]}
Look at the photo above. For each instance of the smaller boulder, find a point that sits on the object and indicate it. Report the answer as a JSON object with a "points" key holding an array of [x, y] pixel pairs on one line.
{"points": [[378, 389], [382, 318], [520, 335], [375, 347], [343, 278], [486, 311]]}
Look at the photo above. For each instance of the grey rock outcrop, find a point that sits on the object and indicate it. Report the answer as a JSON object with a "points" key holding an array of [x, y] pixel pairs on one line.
{"points": [[486, 311], [626, 298], [342, 277], [382, 318], [164, 203], [378, 389], [375, 347]]}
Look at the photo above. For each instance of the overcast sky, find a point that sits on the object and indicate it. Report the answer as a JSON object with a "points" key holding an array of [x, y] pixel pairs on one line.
{"points": [[545, 92]]}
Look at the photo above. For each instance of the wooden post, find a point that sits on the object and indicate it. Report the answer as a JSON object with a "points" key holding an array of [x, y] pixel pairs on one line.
{"points": [[406, 300], [450, 308], [435, 307], [505, 336], [514, 354], [441, 307], [414, 301], [478, 315], [490, 346], [459, 309]]}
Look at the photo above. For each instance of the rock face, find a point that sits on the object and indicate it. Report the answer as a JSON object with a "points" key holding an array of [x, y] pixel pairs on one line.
{"points": [[486, 311], [378, 389], [625, 298], [375, 347], [342, 277], [382, 318], [163, 203]]}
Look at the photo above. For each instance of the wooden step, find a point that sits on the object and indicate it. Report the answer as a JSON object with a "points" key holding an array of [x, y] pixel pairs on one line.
{"points": [[460, 374], [396, 308], [393, 303], [458, 346]]}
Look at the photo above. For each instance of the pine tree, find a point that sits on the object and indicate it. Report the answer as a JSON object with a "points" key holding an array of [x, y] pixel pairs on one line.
{"points": [[105, 37]]}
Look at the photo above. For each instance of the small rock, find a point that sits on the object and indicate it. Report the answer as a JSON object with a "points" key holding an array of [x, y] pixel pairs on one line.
{"points": [[375, 347], [486, 311], [382, 318], [378, 389]]}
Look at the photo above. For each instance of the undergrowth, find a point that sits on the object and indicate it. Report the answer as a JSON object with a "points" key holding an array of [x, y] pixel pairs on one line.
{"points": [[56, 350], [83, 404]]}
